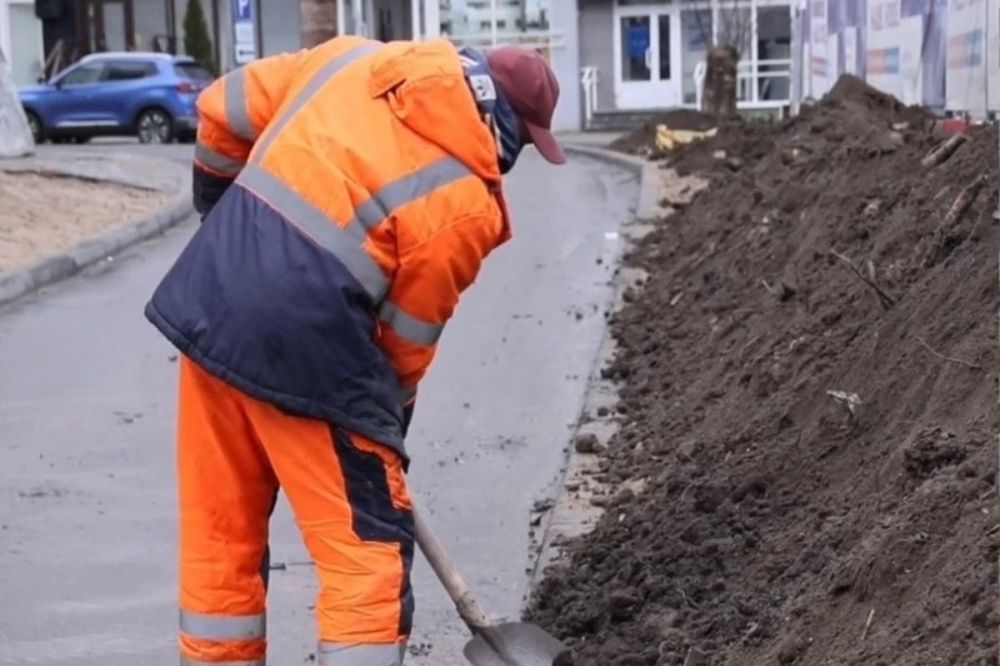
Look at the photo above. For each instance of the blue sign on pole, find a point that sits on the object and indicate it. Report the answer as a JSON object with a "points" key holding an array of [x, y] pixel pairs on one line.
{"points": [[244, 31], [243, 10]]}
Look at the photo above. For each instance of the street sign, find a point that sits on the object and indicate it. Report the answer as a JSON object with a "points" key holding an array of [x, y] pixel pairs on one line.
{"points": [[243, 10], [244, 31]]}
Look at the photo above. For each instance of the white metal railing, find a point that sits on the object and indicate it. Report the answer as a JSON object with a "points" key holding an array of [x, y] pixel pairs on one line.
{"points": [[588, 80], [755, 83]]}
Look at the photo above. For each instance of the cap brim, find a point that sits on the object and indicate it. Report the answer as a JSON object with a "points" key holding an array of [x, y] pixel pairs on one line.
{"points": [[546, 144]]}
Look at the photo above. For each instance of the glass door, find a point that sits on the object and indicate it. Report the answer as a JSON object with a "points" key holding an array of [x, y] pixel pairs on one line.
{"points": [[647, 54]]}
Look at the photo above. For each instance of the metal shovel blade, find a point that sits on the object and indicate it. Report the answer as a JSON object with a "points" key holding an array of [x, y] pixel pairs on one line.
{"points": [[517, 644]]}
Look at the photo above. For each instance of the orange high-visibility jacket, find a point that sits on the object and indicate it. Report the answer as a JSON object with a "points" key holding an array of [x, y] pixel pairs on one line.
{"points": [[365, 194]]}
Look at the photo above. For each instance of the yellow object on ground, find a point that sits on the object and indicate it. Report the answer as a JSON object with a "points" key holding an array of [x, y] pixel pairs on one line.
{"points": [[667, 139]]}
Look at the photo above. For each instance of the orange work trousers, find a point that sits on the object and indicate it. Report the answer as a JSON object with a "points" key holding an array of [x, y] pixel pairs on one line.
{"points": [[350, 501]]}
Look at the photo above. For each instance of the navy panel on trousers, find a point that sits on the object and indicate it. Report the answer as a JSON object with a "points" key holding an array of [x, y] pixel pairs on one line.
{"points": [[373, 516], [258, 304]]}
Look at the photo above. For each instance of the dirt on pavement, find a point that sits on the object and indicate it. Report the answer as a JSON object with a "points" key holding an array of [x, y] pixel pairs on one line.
{"points": [[42, 214], [642, 141], [808, 391]]}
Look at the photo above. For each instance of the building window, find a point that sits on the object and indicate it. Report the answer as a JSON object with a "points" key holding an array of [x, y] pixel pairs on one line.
{"points": [[472, 22]]}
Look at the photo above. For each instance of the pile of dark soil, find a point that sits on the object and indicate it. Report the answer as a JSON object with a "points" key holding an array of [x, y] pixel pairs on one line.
{"points": [[816, 437], [643, 140]]}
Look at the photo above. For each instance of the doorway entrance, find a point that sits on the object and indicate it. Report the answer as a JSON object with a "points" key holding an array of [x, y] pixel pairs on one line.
{"points": [[647, 46]]}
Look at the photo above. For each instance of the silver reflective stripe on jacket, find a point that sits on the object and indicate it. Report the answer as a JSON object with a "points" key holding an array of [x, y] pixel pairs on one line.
{"points": [[223, 627], [342, 654], [238, 106], [216, 161], [322, 77], [409, 188], [346, 246], [408, 327]]}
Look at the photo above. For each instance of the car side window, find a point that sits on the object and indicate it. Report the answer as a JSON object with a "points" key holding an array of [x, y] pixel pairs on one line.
{"points": [[128, 71], [83, 74]]}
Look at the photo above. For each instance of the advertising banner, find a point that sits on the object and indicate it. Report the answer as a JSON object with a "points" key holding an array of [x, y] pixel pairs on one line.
{"points": [[965, 58], [822, 67], [850, 39], [993, 55], [910, 35], [883, 57]]}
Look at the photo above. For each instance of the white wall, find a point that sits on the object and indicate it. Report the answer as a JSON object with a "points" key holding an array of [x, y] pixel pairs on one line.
{"points": [[563, 18], [280, 27], [21, 40]]}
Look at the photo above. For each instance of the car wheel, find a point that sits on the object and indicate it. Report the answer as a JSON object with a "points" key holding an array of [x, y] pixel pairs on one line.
{"points": [[154, 126], [35, 124], [81, 139]]}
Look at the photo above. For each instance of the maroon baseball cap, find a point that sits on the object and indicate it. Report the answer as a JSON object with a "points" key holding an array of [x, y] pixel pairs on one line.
{"points": [[530, 86]]}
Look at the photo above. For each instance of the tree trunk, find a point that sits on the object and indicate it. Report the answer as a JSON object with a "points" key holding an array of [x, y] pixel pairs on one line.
{"points": [[15, 135], [719, 98], [319, 21]]}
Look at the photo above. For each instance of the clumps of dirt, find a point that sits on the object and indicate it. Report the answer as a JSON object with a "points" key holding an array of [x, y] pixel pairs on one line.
{"points": [[842, 116], [642, 141], [819, 463]]}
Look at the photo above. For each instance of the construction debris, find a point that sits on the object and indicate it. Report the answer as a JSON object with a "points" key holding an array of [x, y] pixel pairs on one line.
{"points": [[785, 533]]}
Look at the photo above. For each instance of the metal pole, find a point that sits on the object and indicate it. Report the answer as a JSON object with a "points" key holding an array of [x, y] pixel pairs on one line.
{"points": [[415, 20], [795, 83], [493, 23], [358, 27], [432, 19], [341, 18], [715, 23], [754, 67]]}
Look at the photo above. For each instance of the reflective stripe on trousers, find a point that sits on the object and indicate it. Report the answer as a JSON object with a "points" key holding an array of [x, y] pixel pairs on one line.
{"points": [[341, 654], [223, 627], [185, 661]]}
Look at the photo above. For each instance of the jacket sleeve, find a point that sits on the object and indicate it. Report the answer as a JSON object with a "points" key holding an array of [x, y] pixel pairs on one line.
{"points": [[430, 278], [232, 113]]}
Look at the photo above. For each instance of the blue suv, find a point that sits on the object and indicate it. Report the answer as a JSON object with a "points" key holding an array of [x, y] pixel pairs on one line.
{"points": [[150, 95]]}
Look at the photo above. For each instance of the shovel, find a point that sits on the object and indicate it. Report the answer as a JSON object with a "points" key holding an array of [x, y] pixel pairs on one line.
{"points": [[506, 644]]}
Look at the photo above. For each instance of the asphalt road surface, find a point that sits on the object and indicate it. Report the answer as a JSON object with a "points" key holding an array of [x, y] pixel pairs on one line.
{"points": [[87, 400]]}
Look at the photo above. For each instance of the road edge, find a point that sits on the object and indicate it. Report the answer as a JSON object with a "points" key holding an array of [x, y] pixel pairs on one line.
{"points": [[22, 281], [573, 514], [648, 206]]}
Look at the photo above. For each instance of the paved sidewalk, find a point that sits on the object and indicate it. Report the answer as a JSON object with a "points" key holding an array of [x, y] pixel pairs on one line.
{"points": [[96, 205], [122, 168]]}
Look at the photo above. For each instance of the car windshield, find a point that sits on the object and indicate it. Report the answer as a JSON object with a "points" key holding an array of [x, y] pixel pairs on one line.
{"points": [[193, 71]]}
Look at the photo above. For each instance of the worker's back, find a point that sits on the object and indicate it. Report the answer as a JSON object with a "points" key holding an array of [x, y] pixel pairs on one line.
{"points": [[364, 203]]}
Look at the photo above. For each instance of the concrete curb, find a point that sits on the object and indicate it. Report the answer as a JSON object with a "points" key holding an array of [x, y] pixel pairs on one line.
{"points": [[648, 206], [21, 281], [573, 514]]}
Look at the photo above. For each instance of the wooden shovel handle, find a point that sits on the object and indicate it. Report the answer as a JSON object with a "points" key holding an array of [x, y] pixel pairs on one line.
{"points": [[459, 592]]}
